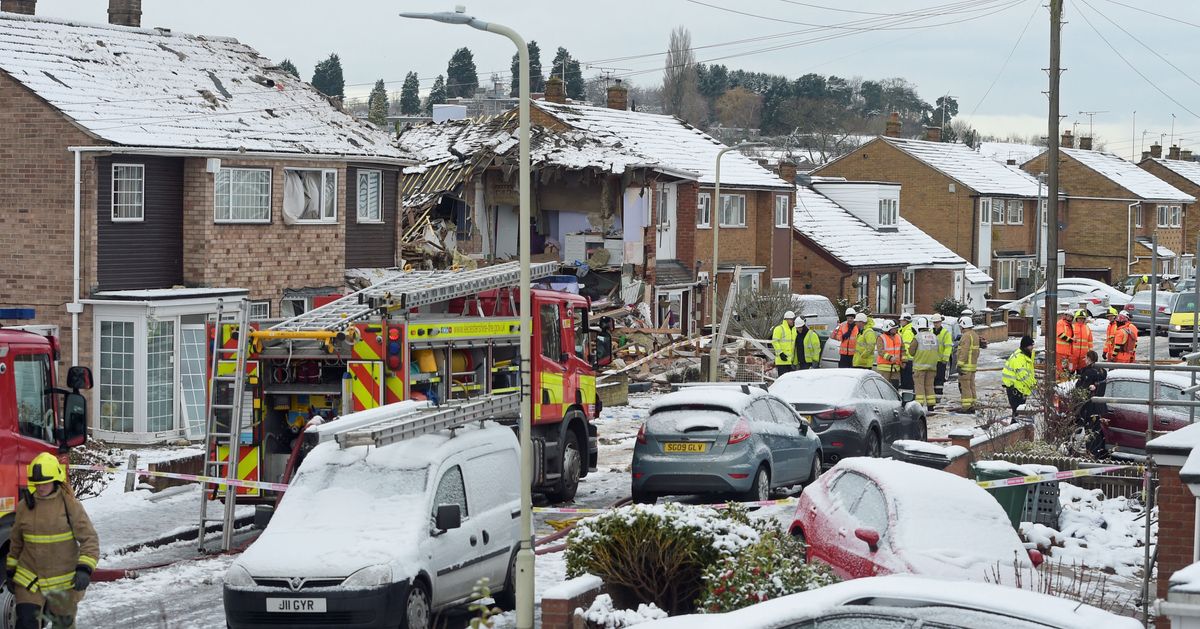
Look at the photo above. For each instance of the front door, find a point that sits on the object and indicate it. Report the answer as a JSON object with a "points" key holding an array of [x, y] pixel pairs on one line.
{"points": [[664, 205]]}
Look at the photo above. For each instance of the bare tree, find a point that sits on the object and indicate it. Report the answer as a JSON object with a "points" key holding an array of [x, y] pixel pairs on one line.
{"points": [[739, 108], [681, 96]]}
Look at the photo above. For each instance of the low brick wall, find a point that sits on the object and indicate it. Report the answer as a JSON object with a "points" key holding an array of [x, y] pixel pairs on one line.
{"points": [[983, 446], [560, 602]]}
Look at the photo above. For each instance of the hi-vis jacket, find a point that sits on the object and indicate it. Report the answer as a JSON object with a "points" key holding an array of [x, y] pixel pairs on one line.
{"points": [[51, 540]]}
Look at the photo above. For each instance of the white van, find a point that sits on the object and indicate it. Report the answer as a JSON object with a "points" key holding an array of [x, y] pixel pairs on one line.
{"points": [[385, 536]]}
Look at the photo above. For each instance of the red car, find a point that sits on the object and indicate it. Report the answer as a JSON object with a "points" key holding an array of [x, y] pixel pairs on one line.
{"points": [[868, 517], [1124, 425]]}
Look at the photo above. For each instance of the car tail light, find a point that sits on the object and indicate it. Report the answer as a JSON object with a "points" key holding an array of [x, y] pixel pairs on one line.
{"points": [[836, 413], [741, 431], [1094, 300], [739, 476], [641, 438], [1162, 308], [1129, 306]]}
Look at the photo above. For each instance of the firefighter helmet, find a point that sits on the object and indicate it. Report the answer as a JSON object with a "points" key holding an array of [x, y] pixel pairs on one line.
{"points": [[966, 322], [45, 468]]}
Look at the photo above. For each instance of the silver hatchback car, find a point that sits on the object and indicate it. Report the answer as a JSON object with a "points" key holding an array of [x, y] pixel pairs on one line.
{"points": [[720, 440]]}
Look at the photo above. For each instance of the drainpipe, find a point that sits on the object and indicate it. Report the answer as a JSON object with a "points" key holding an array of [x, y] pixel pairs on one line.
{"points": [[1129, 237], [75, 308]]}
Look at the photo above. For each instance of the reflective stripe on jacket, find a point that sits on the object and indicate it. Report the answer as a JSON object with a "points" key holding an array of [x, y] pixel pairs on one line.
{"points": [[907, 333], [846, 336], [1082, 339], [783, 341], [945, 344], [50, 541], [968, 351], [924, 349], [1063, 339], [810, 344], [1018, 372], [864, 347], [1125, 347], [888, 351], [1110, 340]]}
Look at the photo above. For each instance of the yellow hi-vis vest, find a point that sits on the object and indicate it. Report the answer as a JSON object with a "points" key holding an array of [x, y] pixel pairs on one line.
{"points": [[864, 347], [1018, 372], [907, 334], [812, 348], [925, 351], [783, 341]]}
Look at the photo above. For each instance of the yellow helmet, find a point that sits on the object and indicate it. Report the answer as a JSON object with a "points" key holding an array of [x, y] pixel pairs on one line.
{"points": [[45, 468]]}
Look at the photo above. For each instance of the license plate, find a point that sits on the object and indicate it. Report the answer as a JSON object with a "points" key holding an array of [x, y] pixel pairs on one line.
{"points": [[685, 447], [296, 605], [817, 327], [1143, 312]]}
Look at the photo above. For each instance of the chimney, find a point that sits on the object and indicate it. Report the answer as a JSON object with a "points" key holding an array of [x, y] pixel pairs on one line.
{"points": [[1145, 155], [555, 93], [892, 129], [1067, 140], [618, 96], [24, 7], [1156, 150], [1011, 162], [1085, 143], [125, 12], [933, 134], [1173, 152], [1186, 155], [787, 171]]}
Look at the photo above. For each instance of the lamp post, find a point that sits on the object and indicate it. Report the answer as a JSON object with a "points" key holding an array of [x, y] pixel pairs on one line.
{"points": [[524, 580], [715, 352]]}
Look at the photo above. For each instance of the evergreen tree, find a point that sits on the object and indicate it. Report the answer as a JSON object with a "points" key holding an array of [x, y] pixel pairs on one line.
{"points": [[377, 104], [410, 97], [287, 66], [461, 78], [567, 68], [327, 77], [437, 95], [537, 82]]}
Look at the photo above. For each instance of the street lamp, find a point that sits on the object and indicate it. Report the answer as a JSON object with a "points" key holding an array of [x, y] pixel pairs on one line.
{"points": [[524, 580], [715, 351]]}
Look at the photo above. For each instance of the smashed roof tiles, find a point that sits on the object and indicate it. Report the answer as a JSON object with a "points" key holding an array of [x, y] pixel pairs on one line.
{"points": [[157, 88], [960, 163], [1128, 175]]}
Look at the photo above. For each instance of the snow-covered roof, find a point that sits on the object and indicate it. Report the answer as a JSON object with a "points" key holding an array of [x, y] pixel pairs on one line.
{"points": [[1129, 176], [1148, 244], [960, 163], [162, 89], [857, 244], [1187, 580], [667, 140], [1184, 168], [1004, 151]]}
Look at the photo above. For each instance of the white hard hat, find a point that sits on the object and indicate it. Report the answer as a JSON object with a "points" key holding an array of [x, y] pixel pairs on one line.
{"points": [[967, 312], [800, 322], [789, 315], [906, 316], [937, 318], [966, 322], [921, 323], [888, 325], [861, 316], [851, 312]]}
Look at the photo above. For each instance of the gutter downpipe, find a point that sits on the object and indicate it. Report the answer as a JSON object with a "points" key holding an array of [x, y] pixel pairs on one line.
{"points": [[75, 307], [1129, 237]]}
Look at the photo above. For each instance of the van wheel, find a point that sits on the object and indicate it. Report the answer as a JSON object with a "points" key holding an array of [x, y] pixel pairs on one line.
{"points": [[506, 599], [572, 468], [417, 612]]}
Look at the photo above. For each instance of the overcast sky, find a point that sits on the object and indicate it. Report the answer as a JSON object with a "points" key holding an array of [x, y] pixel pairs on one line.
{"points": [[962, 58]]}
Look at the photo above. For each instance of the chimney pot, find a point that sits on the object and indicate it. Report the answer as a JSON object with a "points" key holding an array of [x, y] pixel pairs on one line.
{"points": [[1145, 155], [1185, 155], [618, 96], [1156, 150], [555, 93], [125, 12], [787, 171], [24, 7], [892, 128], [1173, 152], [933, 134], [1011, 162], [1085, 143], [1067, 140]]}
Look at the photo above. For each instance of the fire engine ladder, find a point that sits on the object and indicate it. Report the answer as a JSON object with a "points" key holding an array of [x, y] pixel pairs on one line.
{"points": [[411, 289], [224, 423], [411, 423]]}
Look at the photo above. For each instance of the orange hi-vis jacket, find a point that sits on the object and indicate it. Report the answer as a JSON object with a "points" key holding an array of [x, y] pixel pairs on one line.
{"points": [[888, 352], [847, 336], [1081, 342], [1125, 345], [1110, 340], [1064, 340]]}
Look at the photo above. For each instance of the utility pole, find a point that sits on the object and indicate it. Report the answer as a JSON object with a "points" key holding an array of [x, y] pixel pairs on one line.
{"points": [[1051, 309]]}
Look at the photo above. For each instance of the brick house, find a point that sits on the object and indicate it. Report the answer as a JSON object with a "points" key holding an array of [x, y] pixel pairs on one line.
{"points": [[983, 210], [1182, 172], [851, 242], [1111, 210], [149, 173]]}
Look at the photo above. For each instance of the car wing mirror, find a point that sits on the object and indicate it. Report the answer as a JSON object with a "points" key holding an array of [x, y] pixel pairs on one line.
{"points": [[870, 536], [907, 397], [447, 517]]}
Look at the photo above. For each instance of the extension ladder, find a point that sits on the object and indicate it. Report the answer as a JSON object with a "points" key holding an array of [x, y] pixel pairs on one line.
{"points": [[408, 422]]}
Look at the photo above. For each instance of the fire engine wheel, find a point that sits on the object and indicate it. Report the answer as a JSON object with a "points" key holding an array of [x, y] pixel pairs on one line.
{"points": [[572, 468]]}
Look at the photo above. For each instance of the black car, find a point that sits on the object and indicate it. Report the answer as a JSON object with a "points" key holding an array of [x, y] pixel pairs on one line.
{"points": [[854, 411]]}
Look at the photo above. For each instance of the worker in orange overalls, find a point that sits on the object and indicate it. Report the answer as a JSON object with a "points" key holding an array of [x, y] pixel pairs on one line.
{"points": [[889, 353], [1125, 342], [1064, 345], [1110, 337], [847, 335], [1081, 340]]}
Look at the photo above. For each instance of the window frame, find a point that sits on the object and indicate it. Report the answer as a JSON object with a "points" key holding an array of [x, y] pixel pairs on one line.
{"points": [[864, 284], [1139, 217], [782, 211], [781, 283], [985, 210], [704, 210], [1019, 206], [740, 210], [105, 372], [891, 293], [323, 220], [359, 217], [252, 305], [999, 211], [889, 212], [556, 327], [229, 209], [141, 194], [910, 292], [1163, 216], [1001, 265], [1176, 216], [465, 507], [45, 401]]}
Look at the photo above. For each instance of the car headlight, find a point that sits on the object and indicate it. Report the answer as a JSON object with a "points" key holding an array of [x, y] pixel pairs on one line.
{"points": [[1176, 328], [238, 576], [371, 576]]}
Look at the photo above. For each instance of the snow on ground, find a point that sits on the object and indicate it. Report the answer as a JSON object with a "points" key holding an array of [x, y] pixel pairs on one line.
{"points": [[1104, 534]]}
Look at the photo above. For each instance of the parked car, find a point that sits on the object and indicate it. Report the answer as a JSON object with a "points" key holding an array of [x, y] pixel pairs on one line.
{"points": [[1072, 297], [1136, 283], [1185, 285], [870, 517], [1124, 425], [854, 411], [818, 312], [722, 439], [1183, 321], [1138, 310], [384, 536], [896, 602]]}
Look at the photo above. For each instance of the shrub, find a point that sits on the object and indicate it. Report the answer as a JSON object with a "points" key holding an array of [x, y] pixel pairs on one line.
{"points": [[949, 307], [89, 483], [843, 304], [758, 312], [771, 568], [657, 553]]}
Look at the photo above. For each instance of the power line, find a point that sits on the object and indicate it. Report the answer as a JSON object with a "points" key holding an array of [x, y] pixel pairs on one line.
{"points": [[1004, 66], [1143, 44], [1149, 12]]}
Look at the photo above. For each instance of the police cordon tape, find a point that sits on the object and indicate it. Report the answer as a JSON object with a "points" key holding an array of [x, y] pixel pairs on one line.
{"points": [[1033, 479], [717, 505], [209, 480]]}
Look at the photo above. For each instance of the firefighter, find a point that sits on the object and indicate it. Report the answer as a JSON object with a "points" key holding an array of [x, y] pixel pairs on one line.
{"points": [[808, 346], [1081, 341], [1125, 345], [1064, 344], [889, 352], [1110, 337], [907, 333], [945, 349], [846, 335], [968, 361], [783, 341], [1017, 377], [924, 350], [864, 342], [53, 548]]}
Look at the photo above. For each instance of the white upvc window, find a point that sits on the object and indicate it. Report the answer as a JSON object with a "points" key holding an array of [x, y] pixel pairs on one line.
{"points": [[259, 310], [863, 283], [1164, 216], [1139, 217], [748, 281], [781, 283], [997, 211], [116, 381], [1016, 212], [243, 195], [128, 192], [309, 195], [370, 196], [1176, 216], [985, 211], [781, 210], [1043, 210], [1006, 275], [704, 210], [910, 292], [889, 212], [733, 210]]}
